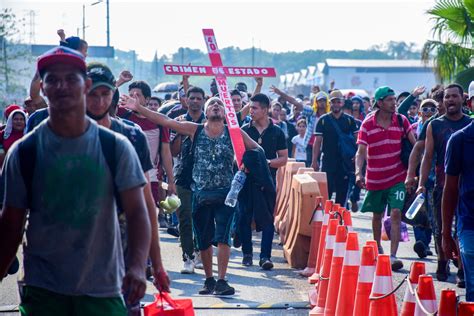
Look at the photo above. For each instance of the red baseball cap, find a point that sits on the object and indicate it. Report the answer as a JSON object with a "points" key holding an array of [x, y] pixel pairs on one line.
{"points": [[61, 55]]}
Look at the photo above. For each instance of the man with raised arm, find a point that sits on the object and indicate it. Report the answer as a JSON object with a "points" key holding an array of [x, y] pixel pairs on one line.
{"points": [[212, 176]]}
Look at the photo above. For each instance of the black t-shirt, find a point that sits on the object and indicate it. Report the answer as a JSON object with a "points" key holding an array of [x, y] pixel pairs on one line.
{"points": [[330, 151], [138, 139], [272, 139], [442, 129], [183, 174]]}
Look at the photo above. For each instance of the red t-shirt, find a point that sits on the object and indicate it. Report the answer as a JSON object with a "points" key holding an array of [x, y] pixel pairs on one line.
{"points": [[7, 143], [384, 146], [154, 134]]}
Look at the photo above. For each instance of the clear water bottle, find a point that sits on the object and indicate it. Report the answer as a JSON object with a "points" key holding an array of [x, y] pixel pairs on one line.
{"points": [[236, 186], [415, 206]]}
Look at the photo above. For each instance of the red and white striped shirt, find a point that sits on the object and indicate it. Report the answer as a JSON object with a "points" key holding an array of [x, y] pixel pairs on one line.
{"points": [[384, 146]]}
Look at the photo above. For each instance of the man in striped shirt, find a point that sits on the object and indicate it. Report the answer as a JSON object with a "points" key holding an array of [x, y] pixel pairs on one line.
{"points": [[380, 144]]}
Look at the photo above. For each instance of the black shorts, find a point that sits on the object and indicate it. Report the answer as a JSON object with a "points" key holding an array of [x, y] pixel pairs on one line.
{"points": [[212, 224]]}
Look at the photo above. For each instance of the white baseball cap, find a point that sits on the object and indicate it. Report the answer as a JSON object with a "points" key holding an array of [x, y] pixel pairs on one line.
{"points": [[471, 90]]}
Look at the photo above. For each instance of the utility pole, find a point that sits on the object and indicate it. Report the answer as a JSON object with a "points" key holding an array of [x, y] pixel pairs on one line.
{"points": [[108, 22], [84, 22]]}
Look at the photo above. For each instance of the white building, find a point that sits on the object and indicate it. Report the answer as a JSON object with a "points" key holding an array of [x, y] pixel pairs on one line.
{"points": [[366, 74]]}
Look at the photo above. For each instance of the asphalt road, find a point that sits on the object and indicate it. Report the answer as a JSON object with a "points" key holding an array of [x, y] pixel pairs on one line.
{"points": [[278, 292]]}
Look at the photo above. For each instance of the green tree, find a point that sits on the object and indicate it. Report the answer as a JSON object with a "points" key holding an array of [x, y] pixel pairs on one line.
{"points": [[453, 32], [12, 57]]}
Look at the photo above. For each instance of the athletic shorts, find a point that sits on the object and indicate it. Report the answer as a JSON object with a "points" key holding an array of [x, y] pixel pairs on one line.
{"points": [[377, 201], [212, 224], [37, 301]]}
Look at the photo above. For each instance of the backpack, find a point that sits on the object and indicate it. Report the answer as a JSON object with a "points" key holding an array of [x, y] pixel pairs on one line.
{"points": [[27, 159], [406, 145], [183, 174], [347, 147]]}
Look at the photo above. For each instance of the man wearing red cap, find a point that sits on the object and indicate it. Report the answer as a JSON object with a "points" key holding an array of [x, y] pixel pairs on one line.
{"points": [[73, 256]]}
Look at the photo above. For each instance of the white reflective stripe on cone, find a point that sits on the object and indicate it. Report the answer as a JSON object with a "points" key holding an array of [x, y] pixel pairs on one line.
{"points": [[410, 298], [339, 249], [318, 216], [352, 258], [366, 274], [330, 240], [326, 219], [430, 306], [382, 285]]}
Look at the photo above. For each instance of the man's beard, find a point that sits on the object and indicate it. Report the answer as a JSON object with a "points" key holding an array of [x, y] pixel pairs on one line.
{"points": [[98, 117], [215, 118]]}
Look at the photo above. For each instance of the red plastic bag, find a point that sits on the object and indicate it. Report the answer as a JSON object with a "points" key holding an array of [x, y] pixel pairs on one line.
{"points": [[164, 305]]}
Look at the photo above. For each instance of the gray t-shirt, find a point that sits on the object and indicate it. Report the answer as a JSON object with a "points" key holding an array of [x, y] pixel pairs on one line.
{"points": [[72, 237]]}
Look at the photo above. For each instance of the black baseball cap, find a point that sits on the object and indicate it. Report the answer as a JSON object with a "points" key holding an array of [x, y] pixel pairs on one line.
{"points": [[101, 75]]}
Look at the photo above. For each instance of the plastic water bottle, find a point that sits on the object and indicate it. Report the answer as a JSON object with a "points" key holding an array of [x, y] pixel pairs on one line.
{"points": [[415, 206], [236, 186]]}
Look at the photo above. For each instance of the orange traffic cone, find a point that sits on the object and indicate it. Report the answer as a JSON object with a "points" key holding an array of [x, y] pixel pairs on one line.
{"points": [[336, 269], [316, 225], [322, 242], [447, 303], [466, 309], [409, 301], [350, 273], [383, 284], [347, 218], [373, 243], [364, 283], [426, 295], [325, 269]]}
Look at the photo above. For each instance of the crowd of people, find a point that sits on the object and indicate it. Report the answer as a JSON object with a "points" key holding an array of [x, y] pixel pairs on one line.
{"points": [[85, 168]]}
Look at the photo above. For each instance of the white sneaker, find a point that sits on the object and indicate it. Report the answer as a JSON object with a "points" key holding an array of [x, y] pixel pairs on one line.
{"points": [[198, 261], [188, 267]]}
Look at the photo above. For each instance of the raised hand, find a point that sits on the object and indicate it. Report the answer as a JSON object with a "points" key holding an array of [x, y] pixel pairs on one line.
{"points": [[259, 80], [275, 90], [418, 91], [61, 34], [125, 76], [129, 102]]}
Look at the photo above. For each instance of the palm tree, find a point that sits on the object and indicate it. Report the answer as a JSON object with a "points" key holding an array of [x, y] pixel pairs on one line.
{"points": [[453, 46]]}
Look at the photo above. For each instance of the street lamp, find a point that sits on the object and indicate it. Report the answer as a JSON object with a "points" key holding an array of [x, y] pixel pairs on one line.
{"points": [[84, 18]]}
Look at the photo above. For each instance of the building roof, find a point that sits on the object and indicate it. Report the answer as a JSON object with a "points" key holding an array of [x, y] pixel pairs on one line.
{"points": [[377, 63]]}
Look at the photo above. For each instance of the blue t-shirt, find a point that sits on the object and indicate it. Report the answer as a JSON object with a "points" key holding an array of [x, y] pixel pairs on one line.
{"points": [[460, 162]]}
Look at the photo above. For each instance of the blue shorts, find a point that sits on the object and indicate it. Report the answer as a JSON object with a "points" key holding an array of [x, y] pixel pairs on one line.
{"points": [[212, 224]]}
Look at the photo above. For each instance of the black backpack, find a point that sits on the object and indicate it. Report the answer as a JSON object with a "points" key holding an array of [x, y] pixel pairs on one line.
{"points": [[27, 156], [406, 145], [183, 172]]}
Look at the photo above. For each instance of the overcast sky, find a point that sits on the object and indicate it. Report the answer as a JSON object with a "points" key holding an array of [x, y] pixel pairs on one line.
{"points": [[276, 26]]}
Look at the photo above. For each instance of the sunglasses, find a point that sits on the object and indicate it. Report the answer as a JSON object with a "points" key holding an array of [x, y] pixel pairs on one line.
{"points": [[428, 109]]}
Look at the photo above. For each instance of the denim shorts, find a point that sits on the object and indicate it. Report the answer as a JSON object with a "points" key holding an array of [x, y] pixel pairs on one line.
{"points": [[212, 224]]}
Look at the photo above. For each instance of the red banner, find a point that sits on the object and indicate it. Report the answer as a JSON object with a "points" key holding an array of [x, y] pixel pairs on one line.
{"points": [[213, 71], [231, 117]]}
